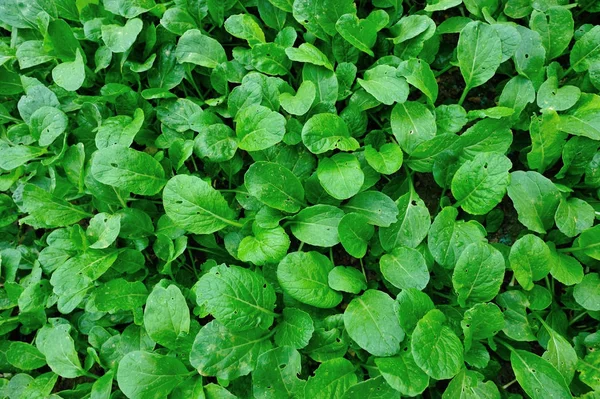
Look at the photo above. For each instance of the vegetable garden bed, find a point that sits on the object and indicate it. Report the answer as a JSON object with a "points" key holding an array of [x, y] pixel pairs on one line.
{"points": [[299, 199]]}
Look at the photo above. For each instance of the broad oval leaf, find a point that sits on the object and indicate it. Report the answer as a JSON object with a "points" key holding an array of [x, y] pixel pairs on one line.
{"points": [[195, 206], [275, 186], [478, 274], [238, 298], [303, 276], [128, 169], [371, 320]]}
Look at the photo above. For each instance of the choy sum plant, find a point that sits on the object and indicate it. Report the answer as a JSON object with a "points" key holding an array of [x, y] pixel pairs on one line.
{"points": [[310, 199]]}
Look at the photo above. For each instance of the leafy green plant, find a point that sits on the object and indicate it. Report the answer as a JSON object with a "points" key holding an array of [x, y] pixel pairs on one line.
{"points": [[299, 199]]}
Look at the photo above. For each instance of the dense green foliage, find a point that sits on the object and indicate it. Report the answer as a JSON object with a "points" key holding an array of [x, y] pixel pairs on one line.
{"points": [[314, 199]]}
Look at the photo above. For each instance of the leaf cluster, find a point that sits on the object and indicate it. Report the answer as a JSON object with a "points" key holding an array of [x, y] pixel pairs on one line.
{"points": [[320, 199]]}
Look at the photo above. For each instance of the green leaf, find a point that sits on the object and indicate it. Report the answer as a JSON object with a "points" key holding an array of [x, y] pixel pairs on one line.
{"points": [[412, 124], [448, 237], [238, 298], [587, 292], [435, 347], [47, 124], [387, 160], [166, 316], [413, 305], [270, 58], [277, 372], [469, 384], [149, 375], [550, 96], [566, 269], [243, 26], [478, 274], [376, 206], [412, 225], [530, 260], [301, 102], [46, 210], [405, 268], [547, 141], [13, 157], [535, 198], [195, 206], [347, 279], [573, 216], [419, 74], [295, 329], [362, 33], [217, 143], [325, 132], [266, 246], [275, 186], [318, 225], [403, 374], [72, 279], [355, 232], [197, 48], [25, 356], [588, 369], [530, 56], [383, 83], [538, 377], [118, 38], [103, 230], [482, 321], [70, 75], [517, 93], [555, 26], [225, 354], [331, 379], [586, 50], [258, 128], [129, 8], [119, 130], [128, 169], [341, 175], [479, 53], [560, 354], [479, 185], [371, 320], [56, 344], [589, 242], [308, 53], [120, 294], [516, 325], [373, 388], [304, 277]]}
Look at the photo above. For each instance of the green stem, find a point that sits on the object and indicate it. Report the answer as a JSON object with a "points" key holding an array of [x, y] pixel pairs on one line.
{"points": [[549, 286], [234, 223], [331, 255], [505, 386], [193, 263], [443, 70], [577, 318], [300, 246], [362, 266], [188, 75], [89, 375], [504, 343], [463, 96], [123, 204], [570, 249], [234, 191]]}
